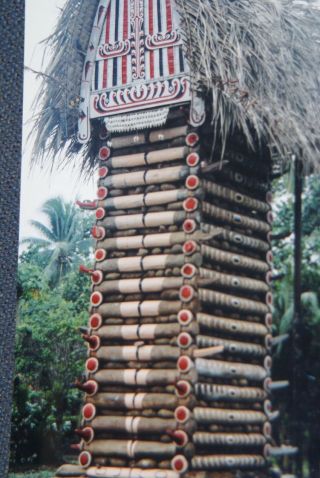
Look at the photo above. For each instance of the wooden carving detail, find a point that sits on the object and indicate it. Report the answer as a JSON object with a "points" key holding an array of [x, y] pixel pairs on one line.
{"points": [[137, 39], [139, 63]]}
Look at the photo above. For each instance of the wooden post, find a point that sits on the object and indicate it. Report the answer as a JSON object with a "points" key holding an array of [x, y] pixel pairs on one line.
{"points": [[298, 321]]}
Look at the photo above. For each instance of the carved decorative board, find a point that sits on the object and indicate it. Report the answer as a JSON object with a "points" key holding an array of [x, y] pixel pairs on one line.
{"points": [[134, 62], [139, 62]]}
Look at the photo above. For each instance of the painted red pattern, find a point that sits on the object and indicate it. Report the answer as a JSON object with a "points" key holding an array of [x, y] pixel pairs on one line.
{"points": [[180, 92], [150, 11], [151, 31], [107, 39], [169, 15], [169, 28], [125, 36], [117, 93]]}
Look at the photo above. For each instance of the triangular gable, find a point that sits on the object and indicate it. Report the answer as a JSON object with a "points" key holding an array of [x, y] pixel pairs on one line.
{"points": [[139, 61]]}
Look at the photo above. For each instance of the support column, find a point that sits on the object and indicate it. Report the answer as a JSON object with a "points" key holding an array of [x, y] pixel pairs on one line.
{"points": [[298, 321]]}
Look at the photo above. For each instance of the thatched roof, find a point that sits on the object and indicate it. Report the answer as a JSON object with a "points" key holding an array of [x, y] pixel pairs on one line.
{"points": [[57, 120], [259, 59]]}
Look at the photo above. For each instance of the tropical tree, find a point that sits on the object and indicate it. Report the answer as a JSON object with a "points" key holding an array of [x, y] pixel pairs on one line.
{"points": [[309, 335], [64, 241], [49, 357]]}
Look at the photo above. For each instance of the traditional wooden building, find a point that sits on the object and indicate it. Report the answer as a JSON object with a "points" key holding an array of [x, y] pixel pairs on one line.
{"points": [[163, 100]]}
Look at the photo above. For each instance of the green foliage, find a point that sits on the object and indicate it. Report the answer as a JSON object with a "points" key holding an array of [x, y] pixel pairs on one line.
{"points": [[309, 336], [311, 206], [33, 474], [49, 356], [64, 242], [283, 250], [74, 288], [35, 256]]}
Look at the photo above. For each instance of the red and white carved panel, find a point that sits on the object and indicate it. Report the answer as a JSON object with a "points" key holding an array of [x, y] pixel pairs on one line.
{"points": [[139, 59]]}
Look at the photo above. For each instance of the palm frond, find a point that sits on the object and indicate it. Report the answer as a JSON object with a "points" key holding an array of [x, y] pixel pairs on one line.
{"points": [[53, 217], [36, 241], [44, 230], [260, 60], [63, 241], [56, 122], [286, 321]]}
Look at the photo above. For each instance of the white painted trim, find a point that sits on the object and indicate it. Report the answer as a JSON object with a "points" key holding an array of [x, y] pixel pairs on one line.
{"points": [[84, 132]]}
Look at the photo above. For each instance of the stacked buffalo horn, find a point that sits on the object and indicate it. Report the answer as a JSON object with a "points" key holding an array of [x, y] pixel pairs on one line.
{"points": [[178, 368]]}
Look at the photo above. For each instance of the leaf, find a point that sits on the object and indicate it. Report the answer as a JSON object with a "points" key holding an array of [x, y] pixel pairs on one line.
{"points": [[64, 240]]}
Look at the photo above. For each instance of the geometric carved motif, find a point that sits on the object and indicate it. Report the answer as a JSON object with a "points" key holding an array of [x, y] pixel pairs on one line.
{"points": [[139, 60]]}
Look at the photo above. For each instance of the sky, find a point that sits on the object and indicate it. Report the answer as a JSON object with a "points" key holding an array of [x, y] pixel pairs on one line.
{"points": [[39, 185]]}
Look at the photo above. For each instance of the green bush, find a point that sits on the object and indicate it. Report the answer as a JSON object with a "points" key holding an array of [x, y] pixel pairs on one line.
{"points": [[33, 474], [50, 355]]}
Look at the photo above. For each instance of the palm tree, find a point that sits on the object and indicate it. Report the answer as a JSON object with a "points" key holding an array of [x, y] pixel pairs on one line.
{"points": [[65, 240]]}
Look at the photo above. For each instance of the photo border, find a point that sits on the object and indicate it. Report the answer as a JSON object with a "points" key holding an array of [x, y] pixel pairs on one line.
{"points": [[12, 16]]}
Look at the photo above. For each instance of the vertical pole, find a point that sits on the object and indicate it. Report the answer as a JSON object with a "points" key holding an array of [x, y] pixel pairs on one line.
{"points": [[298, 320]]}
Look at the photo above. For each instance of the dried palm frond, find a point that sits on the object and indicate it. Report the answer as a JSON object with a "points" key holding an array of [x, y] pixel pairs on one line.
{"points": [[56, 121], [260, 61]]}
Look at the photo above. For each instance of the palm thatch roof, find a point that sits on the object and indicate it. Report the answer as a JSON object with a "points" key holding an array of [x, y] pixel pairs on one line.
{"points": [[257, 59], [260, 60], [56, 121]]}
